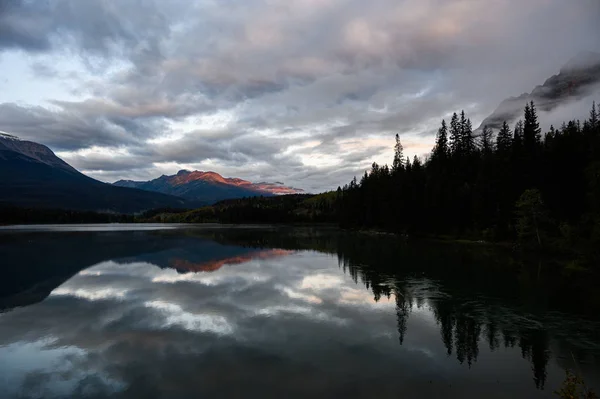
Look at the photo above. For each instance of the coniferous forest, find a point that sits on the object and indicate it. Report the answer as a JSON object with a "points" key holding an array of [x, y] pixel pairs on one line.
{"points": [[541, 190]]}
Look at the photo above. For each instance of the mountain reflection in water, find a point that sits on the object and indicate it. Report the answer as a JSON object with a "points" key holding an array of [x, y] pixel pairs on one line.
{"points": [[184, 266], [287, 312]]}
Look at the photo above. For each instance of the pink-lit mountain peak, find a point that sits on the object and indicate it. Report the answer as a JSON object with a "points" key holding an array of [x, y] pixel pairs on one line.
{"points": [[186, 176]]}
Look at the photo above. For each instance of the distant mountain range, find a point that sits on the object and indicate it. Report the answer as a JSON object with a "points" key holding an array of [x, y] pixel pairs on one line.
{"points": [[207, 187], [576, 79], [31, 175]]}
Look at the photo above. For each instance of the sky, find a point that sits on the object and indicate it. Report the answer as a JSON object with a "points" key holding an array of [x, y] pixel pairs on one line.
{"points": [[306, 92]]}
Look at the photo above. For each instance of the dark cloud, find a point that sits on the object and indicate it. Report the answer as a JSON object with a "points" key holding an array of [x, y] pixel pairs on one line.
{"points": [[21, 26], [132, 28], [289, 73], [66, 130]]}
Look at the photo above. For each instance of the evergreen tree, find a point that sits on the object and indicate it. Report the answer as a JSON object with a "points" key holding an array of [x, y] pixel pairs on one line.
{"points": [[364, 178], [375, 169], [594, 117], [532, 133], [455, 135], [486, 140], [440, 151], [518, 135], [398, 156], [463, 129], [407, 165], [467, 136], [504, 139], [416, 164]]}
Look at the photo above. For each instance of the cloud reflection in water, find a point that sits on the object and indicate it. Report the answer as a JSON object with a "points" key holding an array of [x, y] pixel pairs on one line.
{"points": [[231, 320], [114, 315]]}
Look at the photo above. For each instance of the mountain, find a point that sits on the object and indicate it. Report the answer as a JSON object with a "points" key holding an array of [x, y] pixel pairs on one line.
{"points": [[576, 79], [207, 187], [35, 151], [31, 175]]}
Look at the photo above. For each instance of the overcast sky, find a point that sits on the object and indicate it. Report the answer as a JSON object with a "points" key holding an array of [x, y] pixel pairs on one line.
{"points": [[307, 92]]}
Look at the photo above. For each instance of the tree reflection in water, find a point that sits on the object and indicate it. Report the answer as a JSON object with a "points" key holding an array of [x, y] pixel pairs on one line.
{"points": [[477, 293]]}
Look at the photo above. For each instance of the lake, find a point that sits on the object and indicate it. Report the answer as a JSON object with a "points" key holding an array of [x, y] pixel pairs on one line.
{"points": [[171, 311]]}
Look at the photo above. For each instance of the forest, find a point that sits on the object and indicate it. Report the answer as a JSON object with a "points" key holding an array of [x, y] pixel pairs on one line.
{"points": [[10, 214], [539, 190], [293, 208]]}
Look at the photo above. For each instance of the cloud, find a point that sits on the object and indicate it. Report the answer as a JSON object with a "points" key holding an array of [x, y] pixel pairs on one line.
{"points": [[21, 29], [63, 129], [155, 78]]}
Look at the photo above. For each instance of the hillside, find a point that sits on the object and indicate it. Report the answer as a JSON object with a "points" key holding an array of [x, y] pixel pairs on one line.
{"points": [[292, 208], [31, 175]]}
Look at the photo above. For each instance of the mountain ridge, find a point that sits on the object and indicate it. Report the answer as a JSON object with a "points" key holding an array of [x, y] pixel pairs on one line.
{"points": [[576, 79], [208, 186], [31, 149], [31, 175]]}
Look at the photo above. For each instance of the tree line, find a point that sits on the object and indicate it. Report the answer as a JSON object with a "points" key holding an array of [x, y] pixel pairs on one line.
{"points": [[290, 209], [10, 214], [541, 189]]}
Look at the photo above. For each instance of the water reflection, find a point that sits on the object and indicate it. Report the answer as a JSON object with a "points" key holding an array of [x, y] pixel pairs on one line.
{"points": [[295, 313], [186, 266]]}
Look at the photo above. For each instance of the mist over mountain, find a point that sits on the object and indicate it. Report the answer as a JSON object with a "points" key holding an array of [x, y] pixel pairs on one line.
{"points": [[577, 79]]}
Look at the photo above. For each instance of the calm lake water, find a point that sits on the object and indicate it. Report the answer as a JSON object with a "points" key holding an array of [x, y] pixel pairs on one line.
{"points": [[212, 311]]}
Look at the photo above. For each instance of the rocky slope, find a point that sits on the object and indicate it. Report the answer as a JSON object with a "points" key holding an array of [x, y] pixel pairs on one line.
{"points": [[34, 151]]}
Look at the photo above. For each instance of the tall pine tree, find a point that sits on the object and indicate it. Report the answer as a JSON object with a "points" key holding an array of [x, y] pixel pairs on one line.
{"points": [[518, 136], [455, 135], [398, 156], [594, 117], [463, 129], [440, 151], [504, 139], [532, 134], [487, 145], [467, 137]]}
